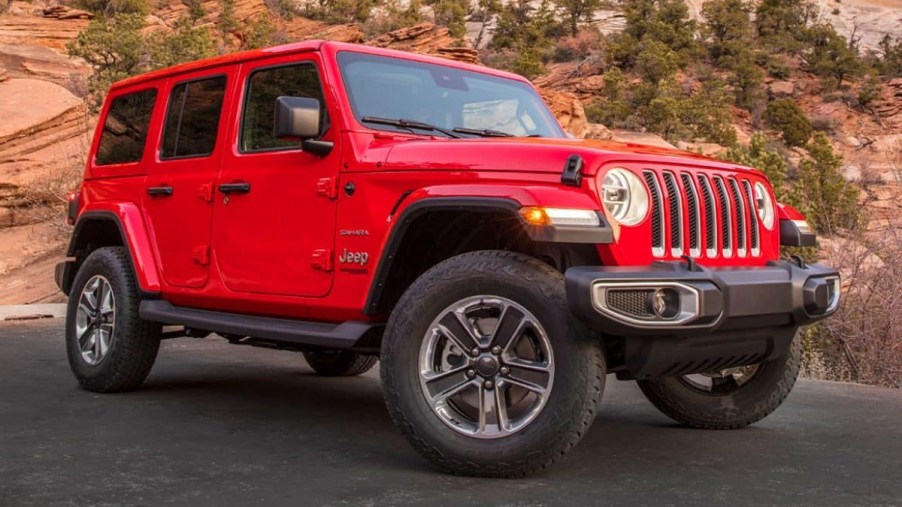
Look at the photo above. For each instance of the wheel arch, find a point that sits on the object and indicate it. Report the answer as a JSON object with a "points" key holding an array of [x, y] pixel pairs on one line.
{"points": [[434, 229], [101, 228]]}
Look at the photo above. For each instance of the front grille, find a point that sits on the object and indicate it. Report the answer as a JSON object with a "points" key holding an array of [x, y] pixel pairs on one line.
{"points": [[632, 302], [702, 215]]}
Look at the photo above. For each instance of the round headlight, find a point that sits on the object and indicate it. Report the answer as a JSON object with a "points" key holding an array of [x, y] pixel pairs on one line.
{"points": [[624, 196], [765, 205]]}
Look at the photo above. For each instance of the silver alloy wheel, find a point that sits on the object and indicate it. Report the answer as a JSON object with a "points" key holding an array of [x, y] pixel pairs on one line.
{"points": [[486, 367], [722, 381], [95, 319]]}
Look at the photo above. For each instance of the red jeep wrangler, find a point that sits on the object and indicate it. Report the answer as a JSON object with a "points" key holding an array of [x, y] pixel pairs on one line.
{"points": [[354, 203]]}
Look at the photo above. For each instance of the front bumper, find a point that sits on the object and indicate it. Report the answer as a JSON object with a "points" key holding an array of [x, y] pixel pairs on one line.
{"points": [[723, 318]]}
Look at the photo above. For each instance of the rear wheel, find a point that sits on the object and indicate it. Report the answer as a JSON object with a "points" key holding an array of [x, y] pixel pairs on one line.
{"points": [[110, 348], [484, 369], [339, 363], [726, 399]]}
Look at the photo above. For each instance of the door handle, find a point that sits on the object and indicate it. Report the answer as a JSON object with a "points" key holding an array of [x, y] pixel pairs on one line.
{"points": [[235, 188], [159, 191]]}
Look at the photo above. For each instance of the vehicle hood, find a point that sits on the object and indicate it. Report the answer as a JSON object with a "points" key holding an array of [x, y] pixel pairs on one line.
{"points": [[533, 155]]}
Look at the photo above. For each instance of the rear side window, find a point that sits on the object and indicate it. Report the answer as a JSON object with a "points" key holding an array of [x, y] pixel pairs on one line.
{"points": [[192, 121], [263, 88], [125, 128]]}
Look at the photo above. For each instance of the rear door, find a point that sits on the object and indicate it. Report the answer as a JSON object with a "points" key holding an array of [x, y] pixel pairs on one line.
{"points": [[179, 200], [275, 209]]}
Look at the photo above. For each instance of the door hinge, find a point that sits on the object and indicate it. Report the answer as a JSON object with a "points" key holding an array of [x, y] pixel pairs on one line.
{"points": [[205, 192], [327, 187], [202, 255], [322, 260]]}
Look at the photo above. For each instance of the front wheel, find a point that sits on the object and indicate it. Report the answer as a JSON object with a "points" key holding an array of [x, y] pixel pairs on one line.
{"points": [[110, 347], [484, 369], [727, 399]]}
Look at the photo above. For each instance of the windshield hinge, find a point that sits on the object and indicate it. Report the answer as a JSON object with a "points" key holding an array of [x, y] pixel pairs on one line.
{"points": [[327, 187], [573, 171]]}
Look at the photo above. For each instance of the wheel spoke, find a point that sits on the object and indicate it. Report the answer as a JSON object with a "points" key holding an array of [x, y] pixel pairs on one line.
{"points": [[530, 378], [442, 385], [106, 334], [501, 408], [488, 409], [510, 327], [84, 341], [458, 329], [106, 299]]}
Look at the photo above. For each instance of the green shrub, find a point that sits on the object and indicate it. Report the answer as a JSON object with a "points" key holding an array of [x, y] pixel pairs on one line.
{"points": [[831, 55], [113, 7], [870, 90], [787, 117], [767, 159], [828, 201], [330, 11], [890, 62], [116, 48], [451, 14]]}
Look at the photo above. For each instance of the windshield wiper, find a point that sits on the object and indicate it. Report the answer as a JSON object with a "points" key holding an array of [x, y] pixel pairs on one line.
{"points": [[482, 132], [408, 124]]}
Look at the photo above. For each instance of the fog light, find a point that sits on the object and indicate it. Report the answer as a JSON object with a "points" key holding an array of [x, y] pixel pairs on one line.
{"points": [[665, 303]]}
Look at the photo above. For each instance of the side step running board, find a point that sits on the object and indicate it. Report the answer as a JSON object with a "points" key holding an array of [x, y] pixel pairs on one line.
{"points": [[346, 335]]}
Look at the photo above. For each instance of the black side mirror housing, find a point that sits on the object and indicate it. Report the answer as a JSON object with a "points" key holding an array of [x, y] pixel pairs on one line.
{"points": [[297, 118]]}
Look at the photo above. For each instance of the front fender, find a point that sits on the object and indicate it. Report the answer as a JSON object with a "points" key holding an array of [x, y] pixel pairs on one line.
{"points": [[133, 233]]}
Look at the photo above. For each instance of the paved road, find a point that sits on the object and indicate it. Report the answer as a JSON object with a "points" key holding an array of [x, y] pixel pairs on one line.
{"points": [[218, 424]]}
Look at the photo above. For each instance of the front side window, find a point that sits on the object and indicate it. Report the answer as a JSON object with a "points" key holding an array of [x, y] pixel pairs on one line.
{"points": [[449, 98], [263, 88], [125, 128], [192, 121]]}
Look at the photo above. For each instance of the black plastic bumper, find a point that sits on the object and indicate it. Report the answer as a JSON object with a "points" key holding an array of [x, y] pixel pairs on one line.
{"points": [[734, 316]]}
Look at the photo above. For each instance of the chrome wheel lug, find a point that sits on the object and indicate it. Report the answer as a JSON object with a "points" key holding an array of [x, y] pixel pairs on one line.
{"points": [[489, 384], [471, 373], [496, 350], [474, 352], [505, 370]]}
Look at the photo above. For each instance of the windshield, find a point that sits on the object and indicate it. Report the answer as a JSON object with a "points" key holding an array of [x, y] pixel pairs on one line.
{"points": [[441, 97]]}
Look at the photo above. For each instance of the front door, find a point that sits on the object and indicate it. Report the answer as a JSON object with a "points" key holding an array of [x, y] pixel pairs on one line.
{"points": [[274, 221], [179, 195]]}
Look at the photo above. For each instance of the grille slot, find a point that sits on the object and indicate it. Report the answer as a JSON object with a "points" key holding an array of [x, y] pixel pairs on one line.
{"points": [[726, 217], [657, 212], [710, 216], [753, 218], [632, 302], [741, 219], [675, 203], [695, 238]]}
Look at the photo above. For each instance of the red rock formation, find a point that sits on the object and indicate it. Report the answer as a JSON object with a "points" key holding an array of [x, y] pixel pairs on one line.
{"points": [[426, 38]]}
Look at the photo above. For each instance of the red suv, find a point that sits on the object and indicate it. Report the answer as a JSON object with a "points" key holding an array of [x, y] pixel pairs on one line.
{"points": [[354, 203]]}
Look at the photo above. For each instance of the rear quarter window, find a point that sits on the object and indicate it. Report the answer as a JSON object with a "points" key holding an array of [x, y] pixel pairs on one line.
{"points": [[125, 128]]}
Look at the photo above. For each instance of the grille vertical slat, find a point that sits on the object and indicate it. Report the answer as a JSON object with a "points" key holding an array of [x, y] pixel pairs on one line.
{"points": [[676, 214], [741, 219], [753, 218], [695, 237], [726, 217], [710, 216], [657, 213]]}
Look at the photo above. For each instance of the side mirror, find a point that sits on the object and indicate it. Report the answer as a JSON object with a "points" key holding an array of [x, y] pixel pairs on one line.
{"points": [[297, 118]]}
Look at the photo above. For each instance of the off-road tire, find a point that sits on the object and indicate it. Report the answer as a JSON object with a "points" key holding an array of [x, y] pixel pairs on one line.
{"points": [[747, 404], [579, 373], [135, 342], [339, 363]]}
